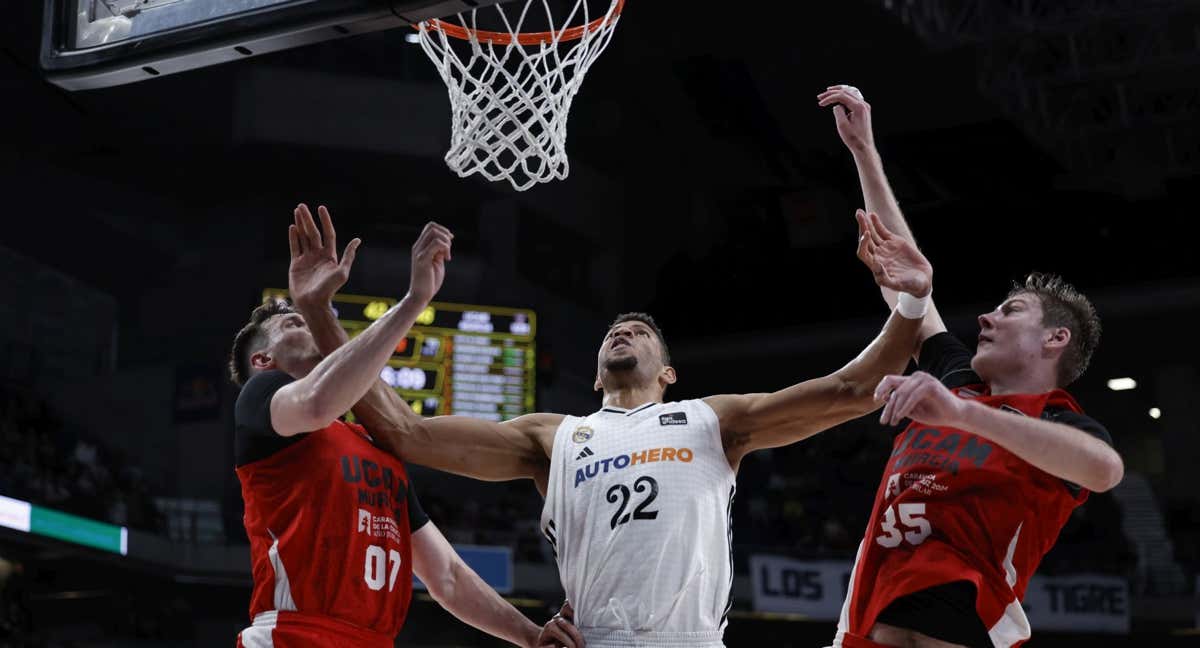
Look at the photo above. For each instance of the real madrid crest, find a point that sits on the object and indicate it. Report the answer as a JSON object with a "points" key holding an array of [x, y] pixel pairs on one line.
{"points": [[582, 434]]}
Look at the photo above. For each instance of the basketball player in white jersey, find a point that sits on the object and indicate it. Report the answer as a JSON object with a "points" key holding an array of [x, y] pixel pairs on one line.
{"points": [[638, 494]]}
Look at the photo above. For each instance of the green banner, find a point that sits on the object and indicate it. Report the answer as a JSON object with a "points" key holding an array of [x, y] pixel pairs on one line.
{"points": [[73, 528]]}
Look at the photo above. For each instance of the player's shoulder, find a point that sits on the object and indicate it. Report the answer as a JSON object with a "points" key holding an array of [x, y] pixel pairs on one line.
{"points": [[263, 385], [1078, 420], [725, 405], [537, 422]]}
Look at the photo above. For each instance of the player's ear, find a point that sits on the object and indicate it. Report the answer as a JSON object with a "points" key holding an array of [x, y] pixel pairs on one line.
{"points": [[668, 376], [1058, 338], [262, 360], [598, 386]]}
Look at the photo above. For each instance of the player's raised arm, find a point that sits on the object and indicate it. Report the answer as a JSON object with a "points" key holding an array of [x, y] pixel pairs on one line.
{"points": [[471, 447], [852, 114], [343, 377], [753, 421], [314, 277]]}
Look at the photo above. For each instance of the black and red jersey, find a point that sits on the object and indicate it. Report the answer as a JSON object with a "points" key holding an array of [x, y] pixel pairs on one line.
{"points": [[329, 517], [956, 509]]}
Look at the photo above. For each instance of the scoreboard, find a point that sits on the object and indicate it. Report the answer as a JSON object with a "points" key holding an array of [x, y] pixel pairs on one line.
{"points": [[474, 361]]}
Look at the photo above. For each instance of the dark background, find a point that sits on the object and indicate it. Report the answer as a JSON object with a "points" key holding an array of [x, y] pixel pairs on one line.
{"points": [[142, 222]]}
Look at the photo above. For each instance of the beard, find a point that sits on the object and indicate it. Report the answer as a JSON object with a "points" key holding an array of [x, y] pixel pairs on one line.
{"points": [[625, 363]]}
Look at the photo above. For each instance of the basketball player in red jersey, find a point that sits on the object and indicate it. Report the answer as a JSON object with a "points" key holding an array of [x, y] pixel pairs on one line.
{"points": [[336, 531], [993, 457]]}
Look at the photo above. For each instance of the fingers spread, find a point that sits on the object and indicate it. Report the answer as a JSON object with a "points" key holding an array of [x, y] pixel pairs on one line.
{"points": [[294, 241], [348, 255], [305, 220], [327, 227]]}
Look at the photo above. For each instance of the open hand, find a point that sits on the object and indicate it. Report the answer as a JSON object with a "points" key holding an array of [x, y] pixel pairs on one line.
{"points": [[852, 114], [560, 631], [895, 261], [315, 273], [429, 256], [920, 397]]}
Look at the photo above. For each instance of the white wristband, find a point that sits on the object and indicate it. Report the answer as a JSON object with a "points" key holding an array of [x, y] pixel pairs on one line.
{"points": [[911, 307]]}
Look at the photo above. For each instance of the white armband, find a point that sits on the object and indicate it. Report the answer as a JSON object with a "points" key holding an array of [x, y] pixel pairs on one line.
{"points": [[911, 307]]}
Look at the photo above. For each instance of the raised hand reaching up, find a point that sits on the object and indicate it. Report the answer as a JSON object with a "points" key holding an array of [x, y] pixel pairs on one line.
{"points": [[895, 262], [315, 273]]}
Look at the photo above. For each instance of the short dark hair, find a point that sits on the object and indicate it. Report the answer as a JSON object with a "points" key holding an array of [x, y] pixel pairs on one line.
{"points": [[252, 337], [1063, 305], [646, 319]]}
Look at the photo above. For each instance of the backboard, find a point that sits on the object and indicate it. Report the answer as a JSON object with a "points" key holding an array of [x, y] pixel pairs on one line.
{"points": [[100, 43]]}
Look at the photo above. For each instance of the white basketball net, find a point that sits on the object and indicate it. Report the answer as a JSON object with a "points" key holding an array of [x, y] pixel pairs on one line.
{"points": [[509, 102]]}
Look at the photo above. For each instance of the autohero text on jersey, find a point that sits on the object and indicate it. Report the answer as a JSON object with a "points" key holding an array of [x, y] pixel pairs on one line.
{"points": [[623, 461]]}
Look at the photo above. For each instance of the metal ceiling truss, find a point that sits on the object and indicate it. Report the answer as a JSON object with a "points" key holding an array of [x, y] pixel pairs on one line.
{"points": [[1104, 84]]}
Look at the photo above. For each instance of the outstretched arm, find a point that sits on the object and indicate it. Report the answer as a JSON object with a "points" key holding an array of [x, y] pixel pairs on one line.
{"points": [[481, 449], [458, 589], [852, 114], [1059, 449], [343, 377], [753, 421]]}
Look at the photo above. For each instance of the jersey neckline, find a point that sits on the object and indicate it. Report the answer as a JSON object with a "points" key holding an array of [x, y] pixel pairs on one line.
{"points": [[620, 410]]}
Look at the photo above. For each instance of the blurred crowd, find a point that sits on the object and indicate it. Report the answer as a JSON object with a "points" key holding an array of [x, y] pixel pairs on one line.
{"points": [[51, 465]]}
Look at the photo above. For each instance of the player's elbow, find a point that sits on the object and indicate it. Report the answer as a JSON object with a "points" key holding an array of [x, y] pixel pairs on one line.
{"points": [[1109, 471], [856, 395], [444, 585], [294, 411], [316, 410]]}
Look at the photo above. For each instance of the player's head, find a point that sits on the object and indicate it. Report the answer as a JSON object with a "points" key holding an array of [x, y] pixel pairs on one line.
{"points": [[633, 353], [276, 337], [1044, 324]]}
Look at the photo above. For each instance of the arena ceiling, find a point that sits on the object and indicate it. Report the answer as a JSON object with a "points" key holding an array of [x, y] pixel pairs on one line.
{"points": [[700, 133]]}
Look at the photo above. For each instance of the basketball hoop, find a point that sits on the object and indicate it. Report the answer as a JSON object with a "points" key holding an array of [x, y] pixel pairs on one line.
{"points": [[511, 91]]}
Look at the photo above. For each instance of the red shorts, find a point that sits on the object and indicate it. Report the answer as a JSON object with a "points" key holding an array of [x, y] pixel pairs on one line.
{"points": [[299, 630]]}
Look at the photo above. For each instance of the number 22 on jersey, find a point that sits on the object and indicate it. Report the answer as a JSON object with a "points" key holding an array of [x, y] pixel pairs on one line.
{"points": [[621, 492]]}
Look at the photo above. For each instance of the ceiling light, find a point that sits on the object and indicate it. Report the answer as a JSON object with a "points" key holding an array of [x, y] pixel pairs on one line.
{"points": [[1155, 412], [1122, 384], [412, 38]]}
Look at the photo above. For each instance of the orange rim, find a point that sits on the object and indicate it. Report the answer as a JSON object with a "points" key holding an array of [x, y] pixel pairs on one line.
{"points": [[527, 38]]}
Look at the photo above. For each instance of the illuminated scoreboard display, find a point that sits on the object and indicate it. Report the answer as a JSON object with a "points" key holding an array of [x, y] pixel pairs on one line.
{"points": [[457, 359]]}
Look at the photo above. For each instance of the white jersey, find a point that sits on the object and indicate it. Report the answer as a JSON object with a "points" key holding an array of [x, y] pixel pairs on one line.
{"points": [[638, 511]]}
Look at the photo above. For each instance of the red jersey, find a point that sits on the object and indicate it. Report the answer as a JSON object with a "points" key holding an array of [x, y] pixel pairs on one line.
{"points": [[953, 506], [329, 526]]}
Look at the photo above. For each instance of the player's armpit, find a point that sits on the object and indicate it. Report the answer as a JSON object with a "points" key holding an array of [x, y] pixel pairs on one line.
{"points": [[516, 449]]}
